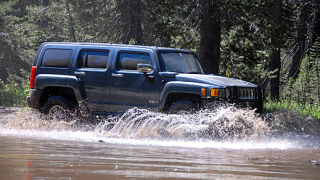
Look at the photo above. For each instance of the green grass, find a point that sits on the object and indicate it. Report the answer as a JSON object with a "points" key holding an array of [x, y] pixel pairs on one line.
{"points": [[302, 109]]}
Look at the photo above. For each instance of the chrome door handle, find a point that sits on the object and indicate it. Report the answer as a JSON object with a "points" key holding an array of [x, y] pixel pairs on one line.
{"points": [[117, 75], [80, 73]]}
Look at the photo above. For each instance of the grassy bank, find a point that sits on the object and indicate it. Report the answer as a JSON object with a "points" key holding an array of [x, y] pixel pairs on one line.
{"points": [[302, 109], [13, 94]]}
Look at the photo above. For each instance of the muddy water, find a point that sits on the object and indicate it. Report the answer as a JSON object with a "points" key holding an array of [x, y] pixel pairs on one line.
{"points": [[226, 144]]}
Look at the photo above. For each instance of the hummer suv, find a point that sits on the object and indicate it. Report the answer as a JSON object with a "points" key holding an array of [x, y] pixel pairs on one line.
{"points": [[111, 78]]}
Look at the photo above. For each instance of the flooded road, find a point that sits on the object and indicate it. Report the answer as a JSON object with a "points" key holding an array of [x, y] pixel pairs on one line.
{"points": [[33, 148]]}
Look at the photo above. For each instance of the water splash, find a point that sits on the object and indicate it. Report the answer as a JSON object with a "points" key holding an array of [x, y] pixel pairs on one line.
{"points": [[226, 127], [225, 123], [221, 124]]}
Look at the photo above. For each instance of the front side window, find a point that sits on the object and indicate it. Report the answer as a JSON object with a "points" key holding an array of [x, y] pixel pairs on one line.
{"points": [[181, 62], [129, 61], [93, 59], [57, 58]]}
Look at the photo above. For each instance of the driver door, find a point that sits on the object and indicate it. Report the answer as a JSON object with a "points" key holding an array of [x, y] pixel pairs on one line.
{"points": [[130, 88]]}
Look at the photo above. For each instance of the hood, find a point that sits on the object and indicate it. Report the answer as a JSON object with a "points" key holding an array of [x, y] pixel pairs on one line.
{"points": [[213, 80]]}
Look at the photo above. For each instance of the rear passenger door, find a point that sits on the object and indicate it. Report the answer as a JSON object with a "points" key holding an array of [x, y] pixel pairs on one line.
{"points": [[130, 88], [92, 72]]}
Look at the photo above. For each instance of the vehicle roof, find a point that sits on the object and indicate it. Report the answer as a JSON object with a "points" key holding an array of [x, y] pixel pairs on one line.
{"points": [[110, 45]]}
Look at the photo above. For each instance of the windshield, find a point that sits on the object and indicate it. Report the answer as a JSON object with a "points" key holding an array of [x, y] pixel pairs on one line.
{"points": [[181, 62]]}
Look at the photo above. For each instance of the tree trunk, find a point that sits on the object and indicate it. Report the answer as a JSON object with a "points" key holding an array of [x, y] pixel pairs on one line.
{"points": [[275, 64], [71, 24], [210, 36], [131, 19], [316, 27], [302, 31]]}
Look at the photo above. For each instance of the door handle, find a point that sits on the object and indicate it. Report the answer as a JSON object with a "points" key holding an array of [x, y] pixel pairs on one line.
{"points": [[80, 73], [117, 75]]}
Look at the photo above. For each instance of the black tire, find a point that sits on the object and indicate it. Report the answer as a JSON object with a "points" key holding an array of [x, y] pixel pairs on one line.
{"points": [[57, 108], [183, 107]]}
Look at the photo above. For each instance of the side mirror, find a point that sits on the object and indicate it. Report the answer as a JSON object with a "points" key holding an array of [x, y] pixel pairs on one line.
{"points": [[144, 68]]}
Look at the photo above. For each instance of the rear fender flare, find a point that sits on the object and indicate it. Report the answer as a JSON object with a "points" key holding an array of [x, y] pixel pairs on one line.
{"points": [[78, 88], [44, 80]]}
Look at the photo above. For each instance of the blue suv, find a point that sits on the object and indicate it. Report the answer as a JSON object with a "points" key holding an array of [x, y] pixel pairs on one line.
{"points": [[111, 78]]}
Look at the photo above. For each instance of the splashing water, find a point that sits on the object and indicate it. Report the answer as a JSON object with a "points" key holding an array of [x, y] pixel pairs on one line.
{"points": [[222, 124], [207, 128]]}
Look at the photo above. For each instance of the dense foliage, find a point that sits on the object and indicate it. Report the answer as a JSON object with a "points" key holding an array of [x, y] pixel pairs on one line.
{"points": [[254, 40], [13, 94]]}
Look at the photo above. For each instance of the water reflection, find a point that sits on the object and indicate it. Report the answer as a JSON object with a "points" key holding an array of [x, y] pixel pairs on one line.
{"points": [[46, 159]]}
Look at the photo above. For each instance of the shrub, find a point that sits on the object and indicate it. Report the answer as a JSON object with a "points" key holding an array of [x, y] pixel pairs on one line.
{"points": [[13, 94]]}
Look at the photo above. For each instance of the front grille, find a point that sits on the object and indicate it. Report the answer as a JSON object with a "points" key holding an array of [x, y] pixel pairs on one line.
{"points": [[248, 93]]}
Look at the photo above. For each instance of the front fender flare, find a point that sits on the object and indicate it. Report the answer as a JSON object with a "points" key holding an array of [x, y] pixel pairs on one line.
{"points": [[182, 87]]}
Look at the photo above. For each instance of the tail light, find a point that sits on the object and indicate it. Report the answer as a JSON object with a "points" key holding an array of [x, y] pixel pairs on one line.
{"points": [[33, 76]]}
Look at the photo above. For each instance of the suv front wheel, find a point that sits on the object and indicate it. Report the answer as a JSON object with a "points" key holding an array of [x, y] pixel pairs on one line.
{"points": [[57, 108], [183, 107]]}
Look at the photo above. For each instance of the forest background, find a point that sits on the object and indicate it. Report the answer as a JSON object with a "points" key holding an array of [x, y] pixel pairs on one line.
{"points": [[272, 43]]}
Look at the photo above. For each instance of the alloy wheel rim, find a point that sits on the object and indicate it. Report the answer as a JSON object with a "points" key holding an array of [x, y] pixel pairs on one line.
{"points": [[58, 113]]}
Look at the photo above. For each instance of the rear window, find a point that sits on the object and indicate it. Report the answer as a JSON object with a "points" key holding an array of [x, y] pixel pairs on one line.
{"points": [[93, 59], [129, 61], [57, 58]]}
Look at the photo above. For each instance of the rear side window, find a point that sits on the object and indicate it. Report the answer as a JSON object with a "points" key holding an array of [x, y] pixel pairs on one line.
{"points": [[57, 58], [129, 61], [93, 59]]}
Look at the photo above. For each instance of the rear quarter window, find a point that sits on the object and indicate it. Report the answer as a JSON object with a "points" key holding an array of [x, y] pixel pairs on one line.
{"points": [[93, 59], [57, 58]]}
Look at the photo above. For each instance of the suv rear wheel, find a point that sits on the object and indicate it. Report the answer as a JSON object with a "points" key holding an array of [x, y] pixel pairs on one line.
{"points": [[57, 108], [183, 107]]}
